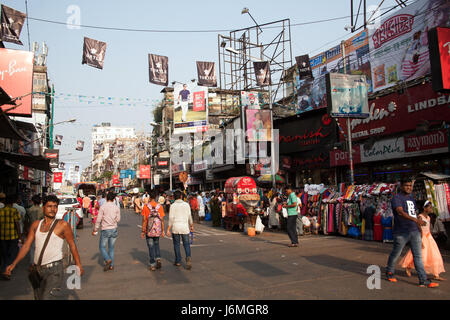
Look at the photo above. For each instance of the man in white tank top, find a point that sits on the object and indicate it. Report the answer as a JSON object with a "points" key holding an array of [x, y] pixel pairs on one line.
{"points": [[51, 269]]}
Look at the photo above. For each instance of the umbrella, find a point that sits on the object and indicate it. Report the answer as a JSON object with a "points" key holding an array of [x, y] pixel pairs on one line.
{"points": [[267, 178]]}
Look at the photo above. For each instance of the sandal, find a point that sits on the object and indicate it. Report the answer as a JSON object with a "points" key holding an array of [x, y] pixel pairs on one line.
{"points": [[439, 278]]}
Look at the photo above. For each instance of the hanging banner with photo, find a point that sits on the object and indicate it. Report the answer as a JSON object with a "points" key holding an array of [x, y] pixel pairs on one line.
{"points": [[258, 125], [144, 171], [80, 145], [141, 146], [16, 79], [77, 168], [206, 72], [62, 166], [347, 96], [58, 140], [158, 69], [98, 148], [93, 53], [399, 43], [304, 67], [249, 100], [439, 46], [53, 155], [11, 24], [120, 148], [190, 112], [262, 73], [57, 177]]}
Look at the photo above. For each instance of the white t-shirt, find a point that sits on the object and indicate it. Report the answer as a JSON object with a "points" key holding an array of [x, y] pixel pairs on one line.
{"points": [[180, 217]]}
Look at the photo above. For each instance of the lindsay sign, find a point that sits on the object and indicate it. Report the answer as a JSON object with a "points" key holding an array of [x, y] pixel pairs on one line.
{"points": [[395, 112]]}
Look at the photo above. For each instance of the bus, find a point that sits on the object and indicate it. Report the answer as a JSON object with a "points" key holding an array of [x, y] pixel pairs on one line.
{"points": [[87, 188]]}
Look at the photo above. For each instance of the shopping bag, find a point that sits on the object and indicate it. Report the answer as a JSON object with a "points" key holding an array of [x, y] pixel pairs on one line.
{"points": [[259, 227], [285, 213], [208, 217]]}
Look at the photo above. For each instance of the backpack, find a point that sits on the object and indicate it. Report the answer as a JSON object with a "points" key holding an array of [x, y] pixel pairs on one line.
{"points": [[154, 223]]}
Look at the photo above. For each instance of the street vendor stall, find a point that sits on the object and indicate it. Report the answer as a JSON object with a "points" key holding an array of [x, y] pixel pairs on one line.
{"points": [[244, 191]]}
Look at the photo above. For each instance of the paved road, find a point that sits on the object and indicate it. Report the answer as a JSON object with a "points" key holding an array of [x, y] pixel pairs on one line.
{"points": [[230, 265]]}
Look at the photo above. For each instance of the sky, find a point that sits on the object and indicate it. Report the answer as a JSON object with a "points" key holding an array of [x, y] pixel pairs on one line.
{"points": [[125, 72]]}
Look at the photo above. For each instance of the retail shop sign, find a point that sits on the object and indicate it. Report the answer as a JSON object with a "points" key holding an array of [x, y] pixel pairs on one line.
{"points": [[433, 142], [341, 158], [384, 150], [396, 112]]}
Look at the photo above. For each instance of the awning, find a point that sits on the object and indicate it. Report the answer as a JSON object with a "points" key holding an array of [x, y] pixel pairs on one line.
{"points": [[7, 128], [435, 176], [34, 162]]}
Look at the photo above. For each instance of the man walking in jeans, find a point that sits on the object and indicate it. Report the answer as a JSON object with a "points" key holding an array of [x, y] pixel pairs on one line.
{"points": [[292, 217], [108, 217], [180, 222], [407, 230]]}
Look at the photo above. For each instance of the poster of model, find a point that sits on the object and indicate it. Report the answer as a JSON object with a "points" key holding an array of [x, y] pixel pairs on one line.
{"points": [[190, 108], [258, 125]]}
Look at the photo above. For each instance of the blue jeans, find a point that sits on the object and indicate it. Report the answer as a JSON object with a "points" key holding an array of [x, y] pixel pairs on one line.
{"points": [[153, 249], [176, 245], [108, 237], [415, 241]]}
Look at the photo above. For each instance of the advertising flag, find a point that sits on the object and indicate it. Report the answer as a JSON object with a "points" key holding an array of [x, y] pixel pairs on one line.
{"points": [[158, 69], [93, 53], [77, 168], [80, 145], [58, 140], [144, 171], [206, 74], [304, 66], [16, 79], [62, 166], [11, 24], [262, 73], [439, 46]]}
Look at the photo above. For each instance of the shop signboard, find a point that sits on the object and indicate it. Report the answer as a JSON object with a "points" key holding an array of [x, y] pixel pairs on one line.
{"points": [[341, 158], [399, 44], [305, 133], [53, 155], [190, 112], [347, 96], [397, 112], [384, 150], [156, 179], [430, 143], [57, 177], [144, 171], [16, 79], [439, 46], [162, 163]]}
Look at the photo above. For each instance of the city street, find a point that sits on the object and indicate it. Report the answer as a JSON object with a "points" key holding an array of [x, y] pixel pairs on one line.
{"points": [[230, 265]]}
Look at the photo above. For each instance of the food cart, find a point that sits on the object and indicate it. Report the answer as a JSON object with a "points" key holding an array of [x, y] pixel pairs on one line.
{"points": [[244, 188]]}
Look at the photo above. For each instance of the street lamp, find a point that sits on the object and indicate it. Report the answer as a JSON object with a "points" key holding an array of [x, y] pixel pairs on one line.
{"points": [[168, 149], [246, 10]]}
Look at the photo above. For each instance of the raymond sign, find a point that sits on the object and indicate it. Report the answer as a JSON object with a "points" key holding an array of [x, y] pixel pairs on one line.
{"points": [[16, 78], [144, 172]]}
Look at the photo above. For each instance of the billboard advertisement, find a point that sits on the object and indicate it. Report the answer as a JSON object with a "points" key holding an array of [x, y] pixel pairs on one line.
{"points": [[439, 45], [399, 43], [347, 96], [144, 171], [190, 111], [258, 125], [57, 177], [16, 78], [249, 100]]}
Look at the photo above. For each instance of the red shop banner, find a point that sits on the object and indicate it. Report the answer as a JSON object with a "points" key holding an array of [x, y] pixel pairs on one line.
{"points": [[144, 171], [396, 112], [115, 180], [432, 142], [57, 177], [341, 158], [16, 78]]}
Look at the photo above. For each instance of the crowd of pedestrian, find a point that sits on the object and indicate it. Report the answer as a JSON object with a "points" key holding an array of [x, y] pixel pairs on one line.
{"points": [[36, 229]]}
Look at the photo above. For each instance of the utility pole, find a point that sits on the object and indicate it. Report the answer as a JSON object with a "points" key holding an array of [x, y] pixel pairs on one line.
{"points": [[52, 116]]}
